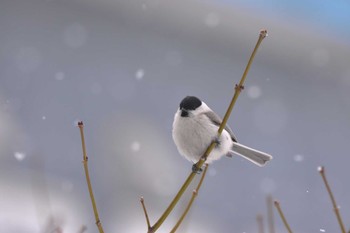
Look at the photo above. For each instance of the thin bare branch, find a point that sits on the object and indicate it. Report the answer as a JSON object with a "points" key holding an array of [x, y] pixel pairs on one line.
{"points": [[86, 169], [145, 211], [321, 170], [238, 89], [194, 195], [277, 204]]}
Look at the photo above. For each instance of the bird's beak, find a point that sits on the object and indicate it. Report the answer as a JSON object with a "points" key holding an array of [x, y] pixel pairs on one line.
{"points": [[184, 113]]}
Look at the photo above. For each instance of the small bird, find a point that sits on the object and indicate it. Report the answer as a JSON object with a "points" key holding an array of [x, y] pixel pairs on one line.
{"points": [[196, 126]]}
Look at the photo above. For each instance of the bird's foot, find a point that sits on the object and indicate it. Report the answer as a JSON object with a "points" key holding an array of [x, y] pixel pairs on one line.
{"points": [[217, 142], [196, 170]]}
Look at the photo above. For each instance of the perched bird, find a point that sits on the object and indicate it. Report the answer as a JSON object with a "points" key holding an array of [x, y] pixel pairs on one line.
{"points": [[196, 126]]}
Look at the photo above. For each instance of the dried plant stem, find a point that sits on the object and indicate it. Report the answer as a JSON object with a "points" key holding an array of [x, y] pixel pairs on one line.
{"points": [[85, 162], [277, 204], [270, 214], [238, 89], [194, 195], [160, 221], [240, 86], [145, 211], [335, 206], [260, 221]]}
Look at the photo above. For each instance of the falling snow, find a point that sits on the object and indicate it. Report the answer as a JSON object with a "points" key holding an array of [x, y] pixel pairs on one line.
{"points": [[254, 92], [20, 156], [298, 158], [135, 146], [322, 230], [140, 74]]}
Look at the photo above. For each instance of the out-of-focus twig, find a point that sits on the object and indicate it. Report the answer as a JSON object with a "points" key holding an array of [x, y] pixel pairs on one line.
{"points": [[260, 222], [238, 88], [270, 218], [86, 169], [278, 207], [335, 206], [194, 195]]}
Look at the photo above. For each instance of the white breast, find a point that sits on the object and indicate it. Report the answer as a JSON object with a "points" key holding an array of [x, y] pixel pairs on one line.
{"points": [[193, 135]]}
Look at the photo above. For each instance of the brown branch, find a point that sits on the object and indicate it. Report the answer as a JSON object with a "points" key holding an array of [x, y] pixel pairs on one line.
{"points": [[277, 205], [335, 206], [199, 164], [194, 195], [145, 211], [86, 169]]}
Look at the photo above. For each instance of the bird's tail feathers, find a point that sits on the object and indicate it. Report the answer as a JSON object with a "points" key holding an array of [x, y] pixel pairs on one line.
{"points": [[257, 157]]}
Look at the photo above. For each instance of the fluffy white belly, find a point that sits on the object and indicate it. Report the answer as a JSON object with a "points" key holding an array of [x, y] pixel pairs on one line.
{"points": [[192, 138]]}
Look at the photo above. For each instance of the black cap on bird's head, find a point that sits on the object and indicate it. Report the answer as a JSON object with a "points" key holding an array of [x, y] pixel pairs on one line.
{"points": [[189, 103]]}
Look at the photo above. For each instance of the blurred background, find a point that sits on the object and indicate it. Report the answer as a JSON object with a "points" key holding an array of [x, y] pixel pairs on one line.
{"points": [[123, 67]]}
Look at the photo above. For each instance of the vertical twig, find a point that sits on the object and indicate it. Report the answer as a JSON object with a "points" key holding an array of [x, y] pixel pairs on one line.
{"points": [[86, 169], [277, 204], [238, 89], [145, 211], [270, 214], [194, 195], [335, 206], [260, 222]]}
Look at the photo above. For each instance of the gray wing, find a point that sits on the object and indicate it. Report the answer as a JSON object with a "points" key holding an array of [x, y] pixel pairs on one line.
{"points": [[217, 121]]}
